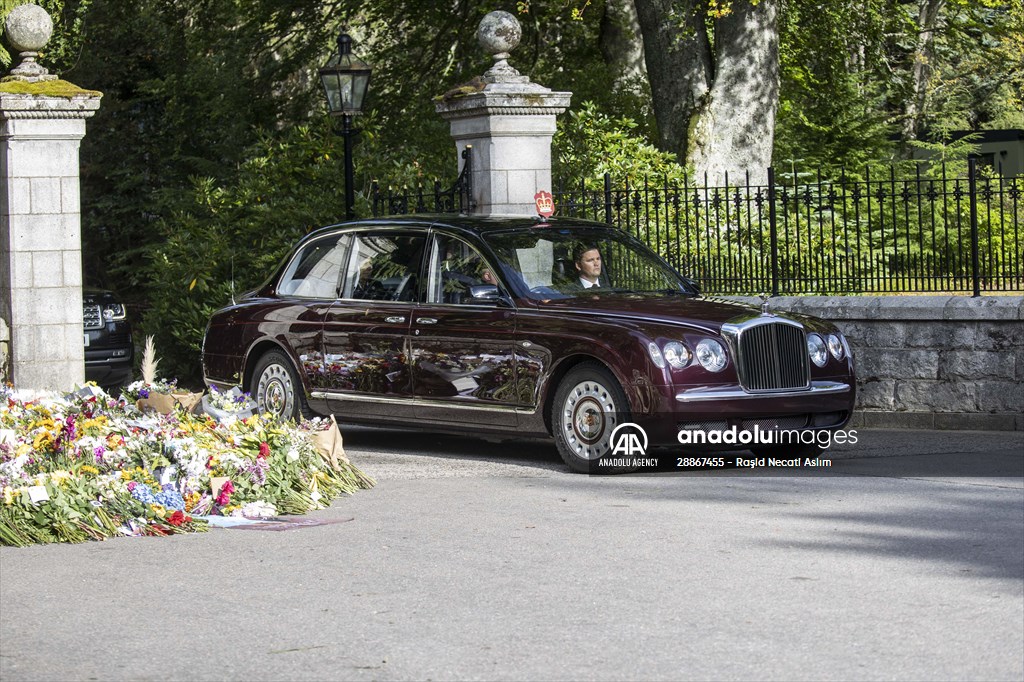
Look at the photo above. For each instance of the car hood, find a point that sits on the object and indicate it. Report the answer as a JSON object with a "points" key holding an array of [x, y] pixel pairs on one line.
{"points": [[703, 313], [98, 296]]}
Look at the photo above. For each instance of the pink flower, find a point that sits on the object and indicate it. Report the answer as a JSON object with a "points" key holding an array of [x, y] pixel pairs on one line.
{"points": [[224, 497]]}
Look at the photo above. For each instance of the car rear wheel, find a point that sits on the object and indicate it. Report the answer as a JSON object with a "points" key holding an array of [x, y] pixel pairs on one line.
{"points": [[588, 405], [276, 388]]}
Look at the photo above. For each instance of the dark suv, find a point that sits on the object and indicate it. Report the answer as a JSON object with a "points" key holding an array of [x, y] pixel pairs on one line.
{"points": [[109, 351]]}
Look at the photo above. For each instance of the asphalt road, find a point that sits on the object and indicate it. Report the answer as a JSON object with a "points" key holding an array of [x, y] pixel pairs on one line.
{"points": [[478, 560]]}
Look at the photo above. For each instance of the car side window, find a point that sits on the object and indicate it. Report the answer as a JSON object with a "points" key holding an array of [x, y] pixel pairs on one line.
{"points": [[384, 267], [456, 271], [315, 271]]}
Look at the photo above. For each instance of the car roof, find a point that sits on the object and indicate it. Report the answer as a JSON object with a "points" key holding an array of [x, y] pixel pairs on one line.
{"points": [[471, 223]]}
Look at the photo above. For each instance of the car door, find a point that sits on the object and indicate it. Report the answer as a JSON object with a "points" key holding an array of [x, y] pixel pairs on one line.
{"points": [[307, 290], [463, 365], [365, 330]]}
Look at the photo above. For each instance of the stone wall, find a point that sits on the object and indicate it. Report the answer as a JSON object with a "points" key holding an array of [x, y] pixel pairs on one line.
{"points": [[930, 362]]}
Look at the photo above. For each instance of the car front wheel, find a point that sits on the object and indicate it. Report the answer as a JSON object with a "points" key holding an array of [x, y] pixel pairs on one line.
{"points": [[588, 405], [276, 388]]}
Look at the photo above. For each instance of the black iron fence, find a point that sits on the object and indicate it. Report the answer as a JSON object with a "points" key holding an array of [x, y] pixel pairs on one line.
{"points": [[929, 232], [456, 199]]}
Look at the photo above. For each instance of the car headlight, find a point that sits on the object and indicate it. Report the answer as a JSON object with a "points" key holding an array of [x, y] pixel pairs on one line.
{"points": [[113, 311], [817, 350], [835, 347], [656, 357], [711, 355], [677, 355]]}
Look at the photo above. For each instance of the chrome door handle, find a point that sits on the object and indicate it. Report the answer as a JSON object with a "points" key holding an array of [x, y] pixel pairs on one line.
{"points": [[426, 320], [394, 319]]}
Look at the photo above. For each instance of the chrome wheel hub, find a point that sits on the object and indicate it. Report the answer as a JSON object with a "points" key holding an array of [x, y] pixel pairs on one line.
{"points": [[588, 417], [274, 392]]}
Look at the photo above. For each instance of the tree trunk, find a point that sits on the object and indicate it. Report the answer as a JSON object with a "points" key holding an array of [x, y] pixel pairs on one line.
{"points": [[715, 109], [928, 15], [621, 42], [736, 131], [679, 66]]}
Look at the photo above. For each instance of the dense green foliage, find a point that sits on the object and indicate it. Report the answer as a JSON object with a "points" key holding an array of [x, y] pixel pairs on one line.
{"points": [[230, 237], [212, 152]]}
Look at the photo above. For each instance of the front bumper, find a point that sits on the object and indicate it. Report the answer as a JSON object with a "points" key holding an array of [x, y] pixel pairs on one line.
{"points": [[110, 367], [827, 404], [715, 393]]}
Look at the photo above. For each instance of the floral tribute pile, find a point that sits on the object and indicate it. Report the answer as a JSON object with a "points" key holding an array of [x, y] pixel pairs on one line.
{"points": [[88, 466]]}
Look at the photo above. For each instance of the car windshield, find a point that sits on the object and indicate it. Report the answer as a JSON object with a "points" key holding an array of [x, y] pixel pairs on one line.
{"points": [[566, 262]]}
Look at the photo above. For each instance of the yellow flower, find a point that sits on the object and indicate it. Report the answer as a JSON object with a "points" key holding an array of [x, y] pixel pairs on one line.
{"points": [[8, 495], [42, 441], [88, 469], [158, 509], [89, 426]]}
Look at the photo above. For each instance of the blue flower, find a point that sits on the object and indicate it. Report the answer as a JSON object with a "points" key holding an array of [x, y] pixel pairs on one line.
{"points": [[142, 493], [170, 498]]}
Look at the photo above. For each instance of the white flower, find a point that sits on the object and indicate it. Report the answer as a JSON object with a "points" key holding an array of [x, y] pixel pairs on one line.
{"points": [[256, 510], [293, 455]]}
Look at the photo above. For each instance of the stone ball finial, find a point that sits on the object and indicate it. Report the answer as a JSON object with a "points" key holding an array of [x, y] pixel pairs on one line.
{"points": [[499, 33], [28, 28]]}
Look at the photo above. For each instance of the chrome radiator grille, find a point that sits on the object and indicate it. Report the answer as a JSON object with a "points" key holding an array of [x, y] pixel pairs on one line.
{"points": [[93, 317], [773, 356]]}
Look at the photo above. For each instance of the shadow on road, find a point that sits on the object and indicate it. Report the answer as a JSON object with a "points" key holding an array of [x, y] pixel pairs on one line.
{"points": [[954, 518]]}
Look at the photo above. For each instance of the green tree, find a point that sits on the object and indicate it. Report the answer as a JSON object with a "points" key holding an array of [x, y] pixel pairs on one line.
{"points": [[187, 89], [833, 109]]}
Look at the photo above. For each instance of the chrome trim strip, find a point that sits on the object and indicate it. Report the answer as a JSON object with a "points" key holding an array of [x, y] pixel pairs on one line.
{"points": [[418, 402], [738, 324], [817, 388]]}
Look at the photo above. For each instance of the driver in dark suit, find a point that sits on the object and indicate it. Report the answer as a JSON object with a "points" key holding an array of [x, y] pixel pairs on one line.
{"points": [[587, 259]]}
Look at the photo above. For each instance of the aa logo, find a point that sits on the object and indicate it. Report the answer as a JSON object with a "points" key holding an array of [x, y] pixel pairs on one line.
{"points": [[629, 440]]}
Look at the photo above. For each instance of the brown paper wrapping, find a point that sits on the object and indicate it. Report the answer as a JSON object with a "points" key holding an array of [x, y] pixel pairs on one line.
{"points": [[164, 403], [329, 443]]}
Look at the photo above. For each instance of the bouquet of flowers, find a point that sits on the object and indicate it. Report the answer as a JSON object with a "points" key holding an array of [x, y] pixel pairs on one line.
{"points": [[89, 466], [228, 404]]}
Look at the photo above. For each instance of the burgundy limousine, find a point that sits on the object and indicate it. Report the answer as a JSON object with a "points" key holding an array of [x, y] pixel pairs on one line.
{"points": [[518, 326]]}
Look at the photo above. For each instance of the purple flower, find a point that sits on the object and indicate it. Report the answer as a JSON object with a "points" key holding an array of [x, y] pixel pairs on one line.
{"points": [[143, 392], [98, 453]]}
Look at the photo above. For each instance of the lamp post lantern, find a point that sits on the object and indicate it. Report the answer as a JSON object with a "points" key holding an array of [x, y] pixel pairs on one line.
{"points": [[346, 78]]}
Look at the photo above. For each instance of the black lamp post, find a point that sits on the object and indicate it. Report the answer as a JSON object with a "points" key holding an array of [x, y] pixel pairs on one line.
{"points": [[346, 78]]}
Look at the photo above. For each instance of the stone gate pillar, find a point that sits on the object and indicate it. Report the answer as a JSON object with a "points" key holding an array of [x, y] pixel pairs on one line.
{"points": [[42, 121], [509, 122]]}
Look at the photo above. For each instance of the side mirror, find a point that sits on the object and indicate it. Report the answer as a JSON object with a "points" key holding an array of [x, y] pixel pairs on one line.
{"points": [[485, 292]]}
